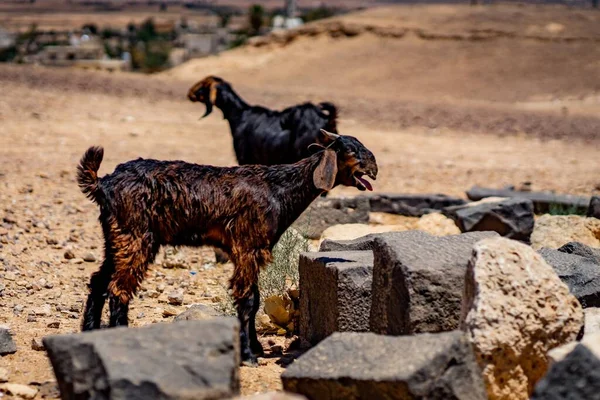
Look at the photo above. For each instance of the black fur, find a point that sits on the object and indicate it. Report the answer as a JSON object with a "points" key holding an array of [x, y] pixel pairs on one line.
{"points": [[263, 136]]}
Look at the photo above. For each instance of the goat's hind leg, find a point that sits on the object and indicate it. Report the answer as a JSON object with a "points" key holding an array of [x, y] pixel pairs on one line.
{"points": [[255, 345], [246, 311], [131, 264], [92, 315]]}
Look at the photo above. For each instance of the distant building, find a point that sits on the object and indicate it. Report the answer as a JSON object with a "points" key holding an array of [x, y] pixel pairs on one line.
{"points": [[67, 55], [7, 39]]}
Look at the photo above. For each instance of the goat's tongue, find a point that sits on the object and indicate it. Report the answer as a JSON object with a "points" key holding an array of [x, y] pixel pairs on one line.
{"points": [[365, 183]]}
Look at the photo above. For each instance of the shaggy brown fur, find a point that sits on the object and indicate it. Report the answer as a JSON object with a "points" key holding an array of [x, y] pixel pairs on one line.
{"points": [[242, 210]]}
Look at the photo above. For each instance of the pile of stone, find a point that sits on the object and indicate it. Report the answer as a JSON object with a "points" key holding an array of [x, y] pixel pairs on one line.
{"points": [[407, 315]]}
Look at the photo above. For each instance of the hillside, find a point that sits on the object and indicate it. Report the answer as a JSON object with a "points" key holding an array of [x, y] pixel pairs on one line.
{"points": [[427, 53]]}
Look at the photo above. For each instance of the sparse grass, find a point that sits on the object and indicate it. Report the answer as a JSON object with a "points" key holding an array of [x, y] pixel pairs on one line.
{"points": [[282, 273], [277, 277], [562, 209], [226, 306]]}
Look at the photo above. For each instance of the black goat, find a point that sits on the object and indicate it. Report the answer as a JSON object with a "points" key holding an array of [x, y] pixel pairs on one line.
{"points": [[243, 210], [263, 136]]}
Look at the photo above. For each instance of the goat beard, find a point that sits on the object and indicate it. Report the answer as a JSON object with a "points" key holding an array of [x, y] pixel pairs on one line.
{"points": [[209, 108]]}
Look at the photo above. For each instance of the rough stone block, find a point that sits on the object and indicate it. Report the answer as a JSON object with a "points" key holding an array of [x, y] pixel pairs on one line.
{"points": [[335, 293], [182, 360], [418, 281], [368, 366]]}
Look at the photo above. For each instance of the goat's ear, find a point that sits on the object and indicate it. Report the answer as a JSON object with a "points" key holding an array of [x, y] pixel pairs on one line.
{"points": [[324, 174]]}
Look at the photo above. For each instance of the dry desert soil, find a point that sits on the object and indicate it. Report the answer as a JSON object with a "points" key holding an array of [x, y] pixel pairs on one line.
{"points": [[446, 97]]}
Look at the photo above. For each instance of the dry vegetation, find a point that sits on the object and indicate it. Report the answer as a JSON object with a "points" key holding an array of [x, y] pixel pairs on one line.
{"points": [[439, 114]]}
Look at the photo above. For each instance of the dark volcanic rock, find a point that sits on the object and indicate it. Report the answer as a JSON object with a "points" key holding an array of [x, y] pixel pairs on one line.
{"points": [[412, 205], [581, 274], [369, 366], [580, 249], [511, 218], [542, 201], [576, 377], [7, 346], [183, 360], [335, 293], [594, 207]]}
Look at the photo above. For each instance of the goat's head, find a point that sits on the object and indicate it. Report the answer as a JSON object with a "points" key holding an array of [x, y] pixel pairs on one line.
{"points": [[345, 161], [206, 92]]}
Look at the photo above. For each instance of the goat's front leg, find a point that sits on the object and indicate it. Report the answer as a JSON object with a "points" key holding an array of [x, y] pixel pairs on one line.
{"points": [[247, 308]]}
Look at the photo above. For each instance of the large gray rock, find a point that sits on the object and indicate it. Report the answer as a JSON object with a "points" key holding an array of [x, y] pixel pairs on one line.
{"points": [[7, 346], [326, 212], [418, 281], [412, 205], [511, 218], [182, 360], [335, 293], [575, 377], [581, 274], [594, 207], [369, 366]]}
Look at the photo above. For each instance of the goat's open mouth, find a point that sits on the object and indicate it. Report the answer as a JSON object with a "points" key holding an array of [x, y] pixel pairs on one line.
{"points": [[361, 183]]}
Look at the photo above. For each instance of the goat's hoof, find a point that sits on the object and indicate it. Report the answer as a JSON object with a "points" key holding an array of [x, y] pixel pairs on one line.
{"points": [[257, 349], [252, 363]]}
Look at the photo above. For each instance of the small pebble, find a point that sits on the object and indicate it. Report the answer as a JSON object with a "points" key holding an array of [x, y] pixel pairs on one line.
{"points": [[89, 257], [169, 312], [4, 375], [69, 255], [37, 345], [54, 325], [176, 297]]}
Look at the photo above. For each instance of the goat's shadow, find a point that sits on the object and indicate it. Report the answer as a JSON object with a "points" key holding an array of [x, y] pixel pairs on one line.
{"points": [[285, 357]]}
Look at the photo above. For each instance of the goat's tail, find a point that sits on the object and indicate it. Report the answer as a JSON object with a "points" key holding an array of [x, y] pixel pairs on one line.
{"points": [[332, 114], [87, 173]]}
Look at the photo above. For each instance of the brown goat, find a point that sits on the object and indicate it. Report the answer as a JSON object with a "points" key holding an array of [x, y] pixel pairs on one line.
{"points": [[243, 210]]}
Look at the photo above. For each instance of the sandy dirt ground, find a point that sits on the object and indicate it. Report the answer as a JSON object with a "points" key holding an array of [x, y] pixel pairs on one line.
{"points": [[48, 118]]}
